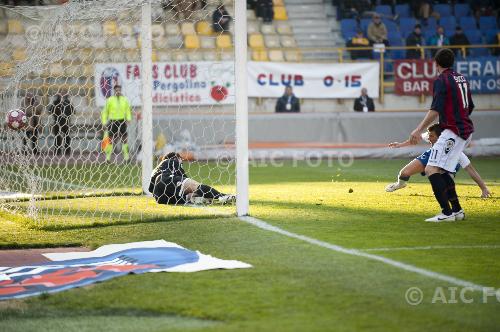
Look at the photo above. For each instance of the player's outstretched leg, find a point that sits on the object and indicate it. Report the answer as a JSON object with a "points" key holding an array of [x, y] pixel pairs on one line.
{"points": [[413, 167], [206, 191], [439, 188], [453, 197]]}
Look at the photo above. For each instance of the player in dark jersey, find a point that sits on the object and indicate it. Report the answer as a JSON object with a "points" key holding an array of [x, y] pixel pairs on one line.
{"points": [[418, 164], [452, 104], [170, 185]]}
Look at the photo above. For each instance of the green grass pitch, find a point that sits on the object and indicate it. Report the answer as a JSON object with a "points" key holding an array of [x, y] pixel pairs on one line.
{"points": [[294, 285]]}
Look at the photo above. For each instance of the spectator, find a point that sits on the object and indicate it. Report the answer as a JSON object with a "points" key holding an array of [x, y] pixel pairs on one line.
{"points": [[364, 103], [61, 110], [377, 31], [221, 19], [414, 39], [439, 39], [496, 41], [354, 8], [252, 4], [421, 9], [359, 41], [33, 109], [180, 8], [288, 102], [459, 38], [115, 116], [264, 9]]}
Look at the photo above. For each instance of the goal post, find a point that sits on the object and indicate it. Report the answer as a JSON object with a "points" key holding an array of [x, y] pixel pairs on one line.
{"points": [[240, 45], [147, 95], [185, 83]]}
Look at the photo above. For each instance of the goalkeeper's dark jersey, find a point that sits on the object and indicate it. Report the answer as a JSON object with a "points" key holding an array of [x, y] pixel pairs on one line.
{"points": [[172, 167]]}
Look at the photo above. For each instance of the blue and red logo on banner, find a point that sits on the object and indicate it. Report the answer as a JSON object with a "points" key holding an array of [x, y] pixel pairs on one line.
{"points": [[118, 260]]}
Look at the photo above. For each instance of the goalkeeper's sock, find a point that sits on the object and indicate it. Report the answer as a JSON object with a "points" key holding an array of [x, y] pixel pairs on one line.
{"points": [[207, 192], [108, 150], [125, 151]]}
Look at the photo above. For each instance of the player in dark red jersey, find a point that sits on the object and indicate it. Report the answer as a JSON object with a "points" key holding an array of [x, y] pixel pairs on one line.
{"points": [[452, 104]]}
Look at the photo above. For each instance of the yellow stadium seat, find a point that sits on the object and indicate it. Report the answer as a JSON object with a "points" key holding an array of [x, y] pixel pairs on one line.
{"points": [[56, 70], [72, 70], [6, 69], [160, 43], [293, 56], [175, 42], [251, 15], [154, 56], [132, 55], [15, 27], [164, 56], [288, 41], [207, 42], [209, 56], [4, 28], [227, 56], [284, 29], [195, 56], [223, 41], [187, 28], [278, 3], [259, 55], [256, 40], [88, 70], [272, 41], [276, 56], [280, 13], [157, 31], [109, 28], [19, 54], [192, 41], [118, 56], [253, 27], [125, 30], [172, 29], [267, 29], [180, 56], [129, 42], [204, 28]]}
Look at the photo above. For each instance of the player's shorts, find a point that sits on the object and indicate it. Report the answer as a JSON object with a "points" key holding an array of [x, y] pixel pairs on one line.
{"points": [[424, 157], [445, 154], [117, 129], [169, 189]]}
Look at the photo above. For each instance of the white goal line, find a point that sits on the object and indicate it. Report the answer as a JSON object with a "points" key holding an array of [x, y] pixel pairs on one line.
{"points": [[355, 252]]}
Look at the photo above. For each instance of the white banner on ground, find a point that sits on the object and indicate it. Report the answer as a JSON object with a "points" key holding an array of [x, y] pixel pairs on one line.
{"points": [[181, 260], [176, 83], [308, 80]]}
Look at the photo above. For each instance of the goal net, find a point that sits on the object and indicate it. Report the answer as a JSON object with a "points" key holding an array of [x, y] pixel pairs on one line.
{"points": [[63, 63]]}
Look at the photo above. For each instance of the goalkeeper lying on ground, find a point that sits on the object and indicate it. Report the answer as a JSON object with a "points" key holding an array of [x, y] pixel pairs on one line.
{"points": [[417, 165], [170, 185]]}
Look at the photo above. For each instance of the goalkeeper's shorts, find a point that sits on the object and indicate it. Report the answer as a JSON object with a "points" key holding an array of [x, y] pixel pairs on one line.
{"points": [[168, 189], [117, 129]]}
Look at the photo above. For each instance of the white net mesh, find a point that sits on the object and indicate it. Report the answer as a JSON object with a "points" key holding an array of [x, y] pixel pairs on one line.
{"points": [[60, 63]]}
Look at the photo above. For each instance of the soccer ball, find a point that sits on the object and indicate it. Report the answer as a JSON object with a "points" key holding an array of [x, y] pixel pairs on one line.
{"points": [[16, 119]]}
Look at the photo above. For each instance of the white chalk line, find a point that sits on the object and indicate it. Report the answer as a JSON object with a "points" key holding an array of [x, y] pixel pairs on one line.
{"points": [[492, 246], [355, 252]]}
